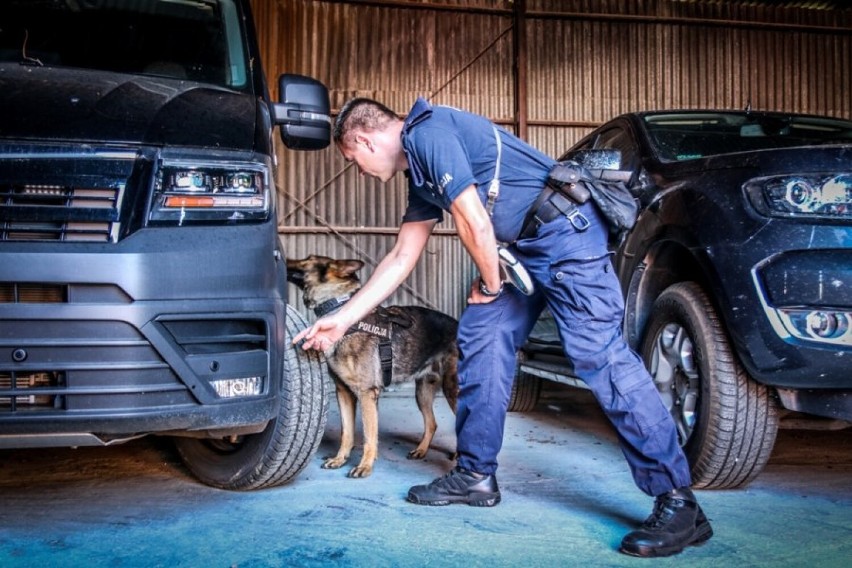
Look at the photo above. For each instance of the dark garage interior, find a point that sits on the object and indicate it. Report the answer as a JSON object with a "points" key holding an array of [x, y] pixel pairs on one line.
{"points": [[145, 338]]}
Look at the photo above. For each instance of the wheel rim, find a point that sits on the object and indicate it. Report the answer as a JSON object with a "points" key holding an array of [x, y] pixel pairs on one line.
{"points": [[676, 376], [223, 446]]}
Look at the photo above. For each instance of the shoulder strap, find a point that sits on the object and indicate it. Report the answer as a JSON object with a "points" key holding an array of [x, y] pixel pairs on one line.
{"points": [[494, 187]]}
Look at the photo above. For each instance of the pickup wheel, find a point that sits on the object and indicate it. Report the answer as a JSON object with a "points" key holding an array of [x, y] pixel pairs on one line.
{"points": [[279, 453], [525, 390], [726, 422]]}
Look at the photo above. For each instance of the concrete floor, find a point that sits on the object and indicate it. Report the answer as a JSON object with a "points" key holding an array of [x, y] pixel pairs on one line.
{"points": [[567, 501]]}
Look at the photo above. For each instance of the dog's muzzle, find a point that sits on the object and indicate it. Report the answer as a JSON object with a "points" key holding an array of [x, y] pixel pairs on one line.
{"points": [[296, 277]]}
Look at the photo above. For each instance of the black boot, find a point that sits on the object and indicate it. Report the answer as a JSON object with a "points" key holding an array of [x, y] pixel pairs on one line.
{"points": [[677, 522], [458, 486]]}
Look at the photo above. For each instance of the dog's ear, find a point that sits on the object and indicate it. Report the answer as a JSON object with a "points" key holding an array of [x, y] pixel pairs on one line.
{"points": [[347, 267]]}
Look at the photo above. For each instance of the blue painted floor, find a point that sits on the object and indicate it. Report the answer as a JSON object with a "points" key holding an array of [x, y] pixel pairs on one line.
{"points": [[567, 501]]}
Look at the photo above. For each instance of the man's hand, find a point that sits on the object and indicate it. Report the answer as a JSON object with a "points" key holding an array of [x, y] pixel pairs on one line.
{"points": [[323, 334], [389, 274], [477, 297]]}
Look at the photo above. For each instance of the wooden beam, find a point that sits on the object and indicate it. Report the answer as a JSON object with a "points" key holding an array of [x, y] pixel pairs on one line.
{"points": [[519, 45], [325, 230]]}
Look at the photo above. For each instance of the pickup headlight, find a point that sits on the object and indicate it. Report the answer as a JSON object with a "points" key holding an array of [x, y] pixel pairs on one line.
{"points": [[205, 193], [828, 196]]}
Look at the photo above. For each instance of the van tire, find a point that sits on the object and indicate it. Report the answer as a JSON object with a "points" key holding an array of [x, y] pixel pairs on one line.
{"points": [[279, 453]]}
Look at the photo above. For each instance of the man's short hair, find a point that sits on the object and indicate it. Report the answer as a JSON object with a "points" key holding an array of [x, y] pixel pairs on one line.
{"points": [[361, 114]]}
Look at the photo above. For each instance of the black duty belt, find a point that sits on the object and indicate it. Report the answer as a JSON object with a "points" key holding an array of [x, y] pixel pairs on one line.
{"points": [[549, 205]]}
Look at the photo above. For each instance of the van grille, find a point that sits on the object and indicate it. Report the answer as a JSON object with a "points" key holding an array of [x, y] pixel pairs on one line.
{"points": [[66, 194], [71, 366], [28, 390], [54, 213], [37, 293], [218, 336], [144, 385], [12, 293]]}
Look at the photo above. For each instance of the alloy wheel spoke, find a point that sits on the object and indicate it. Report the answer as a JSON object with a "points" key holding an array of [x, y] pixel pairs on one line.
{"points": [[676, 376]]}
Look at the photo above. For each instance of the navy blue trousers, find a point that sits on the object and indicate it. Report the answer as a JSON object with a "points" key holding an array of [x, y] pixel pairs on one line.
{"points": [[575, 279]]}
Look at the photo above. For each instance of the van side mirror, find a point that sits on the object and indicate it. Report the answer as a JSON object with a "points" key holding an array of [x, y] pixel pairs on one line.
{"points": [[303, 112]]}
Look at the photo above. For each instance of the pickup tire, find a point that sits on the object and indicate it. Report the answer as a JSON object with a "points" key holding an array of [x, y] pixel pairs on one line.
{"points": [[279, 453], [525, 390], [726, 421]]}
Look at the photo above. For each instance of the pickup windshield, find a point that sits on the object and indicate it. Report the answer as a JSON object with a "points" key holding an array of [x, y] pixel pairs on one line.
{"points": [[193, 40], [691, 135]]}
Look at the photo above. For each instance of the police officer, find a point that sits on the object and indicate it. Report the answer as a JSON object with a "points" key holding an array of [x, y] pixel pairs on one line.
{"points": [[451, 158]]}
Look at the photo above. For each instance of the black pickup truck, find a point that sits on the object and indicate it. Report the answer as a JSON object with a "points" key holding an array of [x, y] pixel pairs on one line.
{"points": [[735, 278], [142, 281]]}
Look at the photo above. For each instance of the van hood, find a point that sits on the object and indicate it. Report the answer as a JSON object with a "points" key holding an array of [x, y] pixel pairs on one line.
{"points": [[60, 104]]}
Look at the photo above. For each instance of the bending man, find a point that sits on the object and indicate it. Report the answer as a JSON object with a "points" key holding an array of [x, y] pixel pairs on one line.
{"points": [[450, 158]]}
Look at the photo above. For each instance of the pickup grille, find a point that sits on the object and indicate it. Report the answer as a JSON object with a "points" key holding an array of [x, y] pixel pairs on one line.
{"points": [[65, 195]]}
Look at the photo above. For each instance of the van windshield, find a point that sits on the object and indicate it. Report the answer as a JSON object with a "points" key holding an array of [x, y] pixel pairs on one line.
{"points": [[193, 40]]}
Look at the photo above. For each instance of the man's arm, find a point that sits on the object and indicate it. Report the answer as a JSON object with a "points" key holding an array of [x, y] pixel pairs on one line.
{"points": [[389, 274], [477, 235]]}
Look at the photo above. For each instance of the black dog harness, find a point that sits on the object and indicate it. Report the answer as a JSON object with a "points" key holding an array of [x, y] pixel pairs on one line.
{"points": [[379, 322]]}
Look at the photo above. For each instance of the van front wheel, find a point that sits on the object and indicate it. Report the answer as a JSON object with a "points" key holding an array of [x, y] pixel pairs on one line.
{"points": [[279, 453]]}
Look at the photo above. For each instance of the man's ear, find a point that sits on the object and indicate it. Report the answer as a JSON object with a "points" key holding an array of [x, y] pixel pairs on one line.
{"points": [[364, 141]]}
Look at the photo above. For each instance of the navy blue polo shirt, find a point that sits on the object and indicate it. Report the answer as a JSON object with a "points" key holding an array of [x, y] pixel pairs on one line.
{"points": [[449, 149]]}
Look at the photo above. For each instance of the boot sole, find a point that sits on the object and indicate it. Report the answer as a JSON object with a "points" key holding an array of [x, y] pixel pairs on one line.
{"points": [[486, 500], [702, 534]]}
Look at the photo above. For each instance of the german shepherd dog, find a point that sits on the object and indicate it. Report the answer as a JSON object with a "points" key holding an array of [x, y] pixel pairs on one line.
{"points": [[422, 348]]}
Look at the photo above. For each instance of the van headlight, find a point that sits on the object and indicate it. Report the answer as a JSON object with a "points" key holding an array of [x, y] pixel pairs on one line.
{"points": [[207, 193], [827, 195]]}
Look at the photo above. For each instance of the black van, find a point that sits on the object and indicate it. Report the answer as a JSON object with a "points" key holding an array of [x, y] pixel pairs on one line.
{"points": [[142, 282]]}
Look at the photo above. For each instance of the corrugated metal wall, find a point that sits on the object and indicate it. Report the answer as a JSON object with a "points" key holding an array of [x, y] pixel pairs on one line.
{"points": [[582, 62]]}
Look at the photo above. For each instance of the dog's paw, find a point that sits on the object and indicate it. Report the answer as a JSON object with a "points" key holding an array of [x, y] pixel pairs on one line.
{"points": [[334, 463], [361, 471], [417, 454]]}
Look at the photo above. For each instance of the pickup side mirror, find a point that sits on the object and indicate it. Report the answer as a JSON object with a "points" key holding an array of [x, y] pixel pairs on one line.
{"points": [[303, 112], [603, 162], [599, 159]]}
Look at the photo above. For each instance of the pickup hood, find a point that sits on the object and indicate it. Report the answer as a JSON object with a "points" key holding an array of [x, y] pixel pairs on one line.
{"points": [[797, 159], [59, 104]]}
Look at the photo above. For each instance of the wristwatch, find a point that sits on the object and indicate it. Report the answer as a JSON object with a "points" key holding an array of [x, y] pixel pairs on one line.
{"points": [[483, 289]]}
